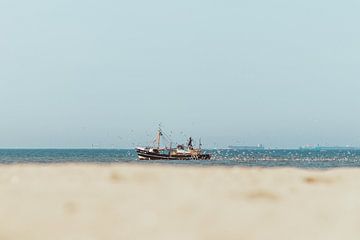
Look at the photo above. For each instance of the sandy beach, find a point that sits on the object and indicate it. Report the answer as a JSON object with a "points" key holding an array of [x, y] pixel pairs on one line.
{"points": [[84, 202]]}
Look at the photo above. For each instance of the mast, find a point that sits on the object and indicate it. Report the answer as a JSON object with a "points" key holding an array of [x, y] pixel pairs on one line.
{"points": [[158, 138]]}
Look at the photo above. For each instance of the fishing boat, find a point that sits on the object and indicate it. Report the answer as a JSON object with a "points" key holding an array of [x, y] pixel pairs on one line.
{"points": [[181, 152]]}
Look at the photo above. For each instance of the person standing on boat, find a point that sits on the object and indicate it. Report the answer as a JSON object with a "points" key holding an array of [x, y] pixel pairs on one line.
{"points": [[190, 145]]}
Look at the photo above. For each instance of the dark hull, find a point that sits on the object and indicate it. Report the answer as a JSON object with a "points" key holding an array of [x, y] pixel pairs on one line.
{"points": [[145, 155]]}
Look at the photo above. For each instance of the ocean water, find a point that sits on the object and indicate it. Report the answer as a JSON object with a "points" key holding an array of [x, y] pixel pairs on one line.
{"points": [[247, 158]]}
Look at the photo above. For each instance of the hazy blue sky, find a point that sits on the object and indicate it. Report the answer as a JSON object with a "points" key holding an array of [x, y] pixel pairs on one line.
{"points": [[282, 73]]}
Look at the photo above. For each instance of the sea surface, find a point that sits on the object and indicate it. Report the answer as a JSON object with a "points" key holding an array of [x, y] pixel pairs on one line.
{"points": [[247, 158]]}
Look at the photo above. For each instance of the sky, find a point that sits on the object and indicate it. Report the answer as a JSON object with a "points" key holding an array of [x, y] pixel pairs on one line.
{"points": [[106, 73]]}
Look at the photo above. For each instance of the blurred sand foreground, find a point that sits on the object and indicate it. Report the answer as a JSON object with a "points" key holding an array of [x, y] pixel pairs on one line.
{"points": [[76, 202]]}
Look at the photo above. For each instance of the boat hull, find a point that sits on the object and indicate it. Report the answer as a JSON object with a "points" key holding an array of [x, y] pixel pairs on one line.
{"points": [[145, 155]]}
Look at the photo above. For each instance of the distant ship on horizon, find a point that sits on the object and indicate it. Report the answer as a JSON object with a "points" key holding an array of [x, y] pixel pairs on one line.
{"points": [[258, 147], [323, 148]]}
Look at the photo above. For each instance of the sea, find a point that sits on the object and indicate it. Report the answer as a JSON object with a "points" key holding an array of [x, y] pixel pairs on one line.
{"points": [[316, 159]]}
